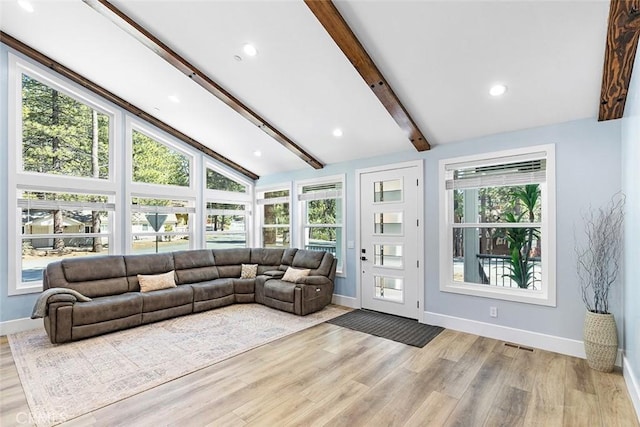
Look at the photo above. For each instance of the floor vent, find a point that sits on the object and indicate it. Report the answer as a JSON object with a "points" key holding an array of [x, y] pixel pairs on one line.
{"points": [[508, 344]]}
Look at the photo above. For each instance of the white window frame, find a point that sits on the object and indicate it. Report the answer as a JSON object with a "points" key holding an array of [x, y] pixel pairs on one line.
{"points": [[19, 180], [229, 197], [260, 201], [301, 214], [547, 294], [157, 189]]}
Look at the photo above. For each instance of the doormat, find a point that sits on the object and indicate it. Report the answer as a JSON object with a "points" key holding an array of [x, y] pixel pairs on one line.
{"points": [[395, 328]]}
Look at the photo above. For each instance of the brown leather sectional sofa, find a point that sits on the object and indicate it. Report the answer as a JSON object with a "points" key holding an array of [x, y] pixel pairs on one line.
{"points": [[205, 279]]}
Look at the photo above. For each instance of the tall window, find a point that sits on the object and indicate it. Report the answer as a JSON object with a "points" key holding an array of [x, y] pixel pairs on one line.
{"points": [[63, 193], [160, 225], [321, 209], [226, 225], [275, 218], [498, 234], [61, 225]]}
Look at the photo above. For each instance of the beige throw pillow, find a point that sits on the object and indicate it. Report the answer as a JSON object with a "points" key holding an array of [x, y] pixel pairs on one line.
{"points": [[293, 274], [156, 282], [249, 271]]}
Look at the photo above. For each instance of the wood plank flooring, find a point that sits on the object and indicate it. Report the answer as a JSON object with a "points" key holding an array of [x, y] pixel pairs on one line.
{"points": [[332, 376]]}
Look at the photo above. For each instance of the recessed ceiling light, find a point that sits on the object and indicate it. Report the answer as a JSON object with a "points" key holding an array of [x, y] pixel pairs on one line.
{"points": [[250, 49], [174, 98], [26, 5], [257, 153], [497, 90], [337, 133]]}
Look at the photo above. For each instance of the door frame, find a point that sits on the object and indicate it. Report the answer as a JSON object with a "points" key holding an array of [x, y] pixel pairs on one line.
{"points": [[421, 238]]}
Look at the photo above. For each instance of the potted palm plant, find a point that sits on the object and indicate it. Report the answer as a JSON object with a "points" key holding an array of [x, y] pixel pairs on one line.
{"points": [[598, 266]]}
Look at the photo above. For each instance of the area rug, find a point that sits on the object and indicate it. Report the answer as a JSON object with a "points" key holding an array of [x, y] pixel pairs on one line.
{"points": [[64, 381], [400, 329]]}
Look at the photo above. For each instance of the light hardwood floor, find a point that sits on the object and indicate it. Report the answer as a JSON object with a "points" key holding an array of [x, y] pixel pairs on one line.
{"points": [[328, 375]]}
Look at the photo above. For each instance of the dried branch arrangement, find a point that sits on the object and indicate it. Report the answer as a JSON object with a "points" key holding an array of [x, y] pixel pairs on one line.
{"points": [[599, 257]]}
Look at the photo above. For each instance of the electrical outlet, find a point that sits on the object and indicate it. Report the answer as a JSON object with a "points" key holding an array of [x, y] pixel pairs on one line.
{"points": [[493, 311]]}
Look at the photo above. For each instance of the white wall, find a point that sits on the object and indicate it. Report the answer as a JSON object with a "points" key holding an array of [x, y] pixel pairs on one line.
{"points": [[588, 164], [631, 275]]}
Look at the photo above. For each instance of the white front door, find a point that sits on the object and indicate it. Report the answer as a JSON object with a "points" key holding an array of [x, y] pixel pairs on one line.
{"points": [[390, 232]]}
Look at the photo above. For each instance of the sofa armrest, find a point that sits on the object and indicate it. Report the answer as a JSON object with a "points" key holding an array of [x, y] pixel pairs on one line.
{"points": [[314, 280], [274, 274]]}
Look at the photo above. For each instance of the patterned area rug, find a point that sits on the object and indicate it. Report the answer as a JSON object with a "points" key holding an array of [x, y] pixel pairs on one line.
{"points": [[64, 381]]}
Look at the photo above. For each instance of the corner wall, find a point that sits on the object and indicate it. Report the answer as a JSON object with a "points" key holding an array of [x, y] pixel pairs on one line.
{"points": [[631, 272], [588, 161]]}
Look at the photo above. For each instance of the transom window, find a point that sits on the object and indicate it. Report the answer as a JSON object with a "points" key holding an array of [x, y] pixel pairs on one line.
{"points": [[157, 163], [62, 135], [218, 181], [497, 234]]}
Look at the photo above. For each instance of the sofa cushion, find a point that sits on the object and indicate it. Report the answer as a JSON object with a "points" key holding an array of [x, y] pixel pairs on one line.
{"points": [[195, 266], [212, 289], [146, 264], [266, 256], [166, 298], [156, 282], [294, 274], [244, 286], [307, 259], [107, 308], [235, 256], [97, 268], [279, 290], [95, 276], [287, 258]]}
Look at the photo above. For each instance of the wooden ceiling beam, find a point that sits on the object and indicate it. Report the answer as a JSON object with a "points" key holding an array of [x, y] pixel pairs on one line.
{"points": [[111, 97], [620, 53], [143, 36], [339, 30]]}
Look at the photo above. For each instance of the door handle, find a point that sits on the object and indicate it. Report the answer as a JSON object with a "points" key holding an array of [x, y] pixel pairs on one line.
{"points": [[363, 258]]}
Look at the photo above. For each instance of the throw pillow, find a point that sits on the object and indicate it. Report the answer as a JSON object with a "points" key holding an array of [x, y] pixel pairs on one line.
{"points": [[293, 274], [155, 282], [249, 271]]}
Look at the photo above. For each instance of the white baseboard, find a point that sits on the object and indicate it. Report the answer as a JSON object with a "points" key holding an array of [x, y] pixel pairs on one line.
{"points": [[552, 343], [19, 325], [633, 385], [342, 300]]}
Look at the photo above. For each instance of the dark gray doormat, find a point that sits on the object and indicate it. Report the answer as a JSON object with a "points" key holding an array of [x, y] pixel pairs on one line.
{"points": [[400, 329]]}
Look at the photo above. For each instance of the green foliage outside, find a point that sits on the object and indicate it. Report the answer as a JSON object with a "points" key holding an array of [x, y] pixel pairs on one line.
{"points": [[217, 181], [155, 163], [58, 133], [521, 239]]}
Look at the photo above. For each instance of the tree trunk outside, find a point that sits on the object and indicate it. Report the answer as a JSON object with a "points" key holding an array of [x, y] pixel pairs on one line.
{"points": [[58, 224], [95, 169]]}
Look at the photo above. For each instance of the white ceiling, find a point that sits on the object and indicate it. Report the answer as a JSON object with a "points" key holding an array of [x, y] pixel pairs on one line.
{"points": [[440, 57]]}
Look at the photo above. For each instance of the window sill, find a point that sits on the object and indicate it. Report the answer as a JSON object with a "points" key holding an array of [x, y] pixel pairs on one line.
{"points": [[23, 289], [507, 294]]}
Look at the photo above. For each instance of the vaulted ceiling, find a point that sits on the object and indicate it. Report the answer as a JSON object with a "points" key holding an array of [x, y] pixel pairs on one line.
{"points": [[440, 58]]}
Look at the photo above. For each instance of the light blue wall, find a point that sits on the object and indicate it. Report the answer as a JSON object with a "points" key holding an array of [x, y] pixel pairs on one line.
{"points": [[19, 306], [588, 164], [631, 187]]}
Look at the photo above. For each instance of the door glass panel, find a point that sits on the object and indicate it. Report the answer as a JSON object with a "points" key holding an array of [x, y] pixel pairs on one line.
{"points": [[388, 256], [387, 191], [389, 288], [388, 223]]}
